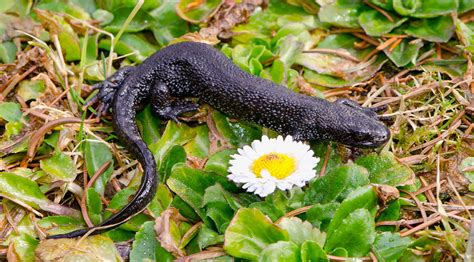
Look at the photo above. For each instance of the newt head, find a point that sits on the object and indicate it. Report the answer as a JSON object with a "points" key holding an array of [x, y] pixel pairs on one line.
{"points": [[348, 124]]}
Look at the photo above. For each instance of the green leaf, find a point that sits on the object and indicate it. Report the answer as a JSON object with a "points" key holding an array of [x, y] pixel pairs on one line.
{"points": [[146, 247], [390, 246], [8, 52], [190, 184], [363, 197], [219, 162], [344, 15], [96, 154], [312, 251], [23, 247], [140, 22], [60, 224], [91, 53], [161, 201], [386, 169], [94, 248], [434, 8], [64, 7], [355, 233], [322, 214], [175, 155], [376, 24], [208, 237], [220, 206], [439, 29], [199, 146], [406, 7], [149, 125], [167, 24], [280, 251], [404, 53], [59, 166], [10, 111], [237, 133], [94, 206], [135, 46], [199, 13], [465, 5], [22, 188], [300, 231], [249, 233], [31, 89], [337, 184], [174, 135], [119, 200], [391, 213], [466, 163]]}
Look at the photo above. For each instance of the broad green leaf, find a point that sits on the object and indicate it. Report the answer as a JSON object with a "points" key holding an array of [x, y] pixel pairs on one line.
{"points": [[104, 16], [59, 224], [8, 52], [94, 206], [386, 169], [140, 22], [391, 213], [96, 154], [68, 38], [59, 166], [195, 13], [299, 231], [466, 163], [199, 146], [249, 233], [149, 125], [355, 233], [237, 133], [404, 53], [175, 134], [190, 184], [336, 185], [58, 6], [218, 163], [31, 89], [146, 247], [167, 24], [23, 189], [312, 251], [94, 248], [23, 247], [363, 197], [175, 155], [135, 46], [406, 7], [439, 29], [321, 215], [376, 24], [208, 237], [390, 246], [90, 56], [280, 251], [434, 8], [112, 5], [161, 201], [220, 206], [465, 5], [10, 111], [119, 200], [341, 15]]}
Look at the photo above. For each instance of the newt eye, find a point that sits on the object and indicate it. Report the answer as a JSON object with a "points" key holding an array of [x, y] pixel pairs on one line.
{"points": [[360, 136]]}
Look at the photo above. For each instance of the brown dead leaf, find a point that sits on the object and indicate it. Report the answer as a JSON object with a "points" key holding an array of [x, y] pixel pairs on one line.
{"points": [[385, 194], [229, 15], [163, 228]]}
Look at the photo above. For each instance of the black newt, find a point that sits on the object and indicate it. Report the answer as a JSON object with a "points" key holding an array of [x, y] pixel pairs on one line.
{"points": [[196, 70]]}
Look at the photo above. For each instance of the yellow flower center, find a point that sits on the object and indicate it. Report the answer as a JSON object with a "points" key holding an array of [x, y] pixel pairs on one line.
{"points": [[278, 165]]}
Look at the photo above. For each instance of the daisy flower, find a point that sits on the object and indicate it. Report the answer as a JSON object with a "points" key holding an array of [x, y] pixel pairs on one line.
{"points": [[272, 163]]}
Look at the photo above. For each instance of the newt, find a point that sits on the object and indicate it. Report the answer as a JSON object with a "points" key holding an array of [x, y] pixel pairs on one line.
{"points": [[173, 75]]}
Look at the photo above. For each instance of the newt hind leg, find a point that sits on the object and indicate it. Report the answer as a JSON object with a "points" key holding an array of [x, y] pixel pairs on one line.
{"points": [[107, 89], [167, 106]]}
